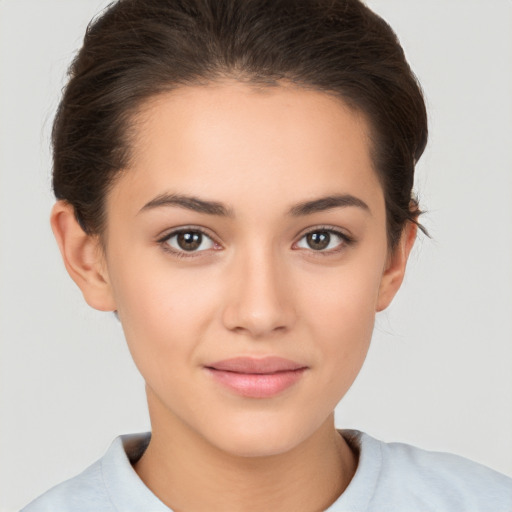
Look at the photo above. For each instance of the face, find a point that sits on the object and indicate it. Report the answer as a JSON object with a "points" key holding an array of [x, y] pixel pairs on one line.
{"points": [[246, 255]]}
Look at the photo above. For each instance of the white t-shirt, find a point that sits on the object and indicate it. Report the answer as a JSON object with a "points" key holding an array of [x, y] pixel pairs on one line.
{"points": [[390, 477]]}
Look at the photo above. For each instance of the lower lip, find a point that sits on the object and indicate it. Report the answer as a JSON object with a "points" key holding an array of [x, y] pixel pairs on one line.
{"points": [[255, 385]]}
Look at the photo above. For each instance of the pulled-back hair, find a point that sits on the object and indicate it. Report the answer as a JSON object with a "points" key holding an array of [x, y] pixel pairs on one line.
{"points": [[137, 49]]}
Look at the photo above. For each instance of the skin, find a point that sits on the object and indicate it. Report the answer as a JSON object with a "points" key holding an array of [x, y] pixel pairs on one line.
{"points": [[255, 289]]}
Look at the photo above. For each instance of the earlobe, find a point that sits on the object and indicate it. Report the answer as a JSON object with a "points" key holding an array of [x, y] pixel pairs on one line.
{"points": [[83, 257], [395, 267]]}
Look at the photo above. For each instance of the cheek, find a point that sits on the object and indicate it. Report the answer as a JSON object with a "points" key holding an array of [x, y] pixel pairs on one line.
{"points": [[343, 300], [163, 311], [339, 310]]}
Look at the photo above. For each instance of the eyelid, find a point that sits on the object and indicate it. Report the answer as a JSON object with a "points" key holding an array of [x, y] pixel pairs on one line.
{"points": [[345, 234], [167, 233], [348, 239], [163, 238]]}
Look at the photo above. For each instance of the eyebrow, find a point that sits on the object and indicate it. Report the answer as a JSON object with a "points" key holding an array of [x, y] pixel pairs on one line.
{"points": [[215, 208], [327, 203], [190, 203]]}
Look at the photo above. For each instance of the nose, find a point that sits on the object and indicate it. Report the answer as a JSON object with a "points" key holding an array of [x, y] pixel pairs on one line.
{"points": [[259, 302]]}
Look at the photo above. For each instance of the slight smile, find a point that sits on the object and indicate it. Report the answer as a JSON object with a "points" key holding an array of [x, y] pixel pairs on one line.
{"points": [[257, 377]]}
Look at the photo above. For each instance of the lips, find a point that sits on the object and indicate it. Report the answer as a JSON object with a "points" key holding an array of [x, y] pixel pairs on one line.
{"points": [[256, 377]]}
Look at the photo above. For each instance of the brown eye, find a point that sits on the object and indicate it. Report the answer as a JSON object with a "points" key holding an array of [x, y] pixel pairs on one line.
{"points": [[189, 241], [318, 240], [323, 240]]}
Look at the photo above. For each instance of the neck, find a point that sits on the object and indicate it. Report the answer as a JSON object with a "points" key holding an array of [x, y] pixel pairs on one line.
{"points": [[187, 473]]}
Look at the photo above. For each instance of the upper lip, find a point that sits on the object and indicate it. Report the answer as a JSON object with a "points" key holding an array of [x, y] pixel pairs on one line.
{"points": [[254, 365]]}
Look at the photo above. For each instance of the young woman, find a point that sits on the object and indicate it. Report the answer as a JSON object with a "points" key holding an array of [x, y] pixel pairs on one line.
{"points": [[234, 180]]}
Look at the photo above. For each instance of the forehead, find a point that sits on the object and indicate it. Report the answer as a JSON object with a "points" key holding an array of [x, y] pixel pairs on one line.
{"points": [[234, 141]]}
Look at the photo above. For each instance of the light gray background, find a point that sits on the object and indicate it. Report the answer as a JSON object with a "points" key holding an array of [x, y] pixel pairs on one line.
{"points": [[439, 372]]}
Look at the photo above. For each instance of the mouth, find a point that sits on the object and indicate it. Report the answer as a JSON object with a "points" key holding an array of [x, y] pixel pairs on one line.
{"points": [[256, 377]]}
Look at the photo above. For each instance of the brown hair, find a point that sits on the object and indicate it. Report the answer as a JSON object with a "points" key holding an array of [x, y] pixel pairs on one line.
{"points": [[140, 48]]}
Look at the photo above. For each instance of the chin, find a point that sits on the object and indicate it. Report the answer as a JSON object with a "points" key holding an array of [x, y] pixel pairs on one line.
{"points": [[260, 437], [253, 446]]}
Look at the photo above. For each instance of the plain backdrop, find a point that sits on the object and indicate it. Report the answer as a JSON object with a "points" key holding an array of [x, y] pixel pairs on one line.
{"points": [[438, 374]]}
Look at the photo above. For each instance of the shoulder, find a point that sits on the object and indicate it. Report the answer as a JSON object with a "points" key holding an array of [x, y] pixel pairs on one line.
{"points": [[446, 477], [410, 478], [84, 492], [109, 485]]}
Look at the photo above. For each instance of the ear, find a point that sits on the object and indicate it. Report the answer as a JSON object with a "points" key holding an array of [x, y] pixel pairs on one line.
{"points": [[83, 257], [395, 267]]}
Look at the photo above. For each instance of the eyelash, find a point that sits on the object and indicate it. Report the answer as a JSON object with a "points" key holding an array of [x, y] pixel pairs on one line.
{"points": [[346, 240], [163, 241]]}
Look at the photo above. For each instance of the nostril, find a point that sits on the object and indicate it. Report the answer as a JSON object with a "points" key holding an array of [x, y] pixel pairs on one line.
{"points": [[259, 304]]}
